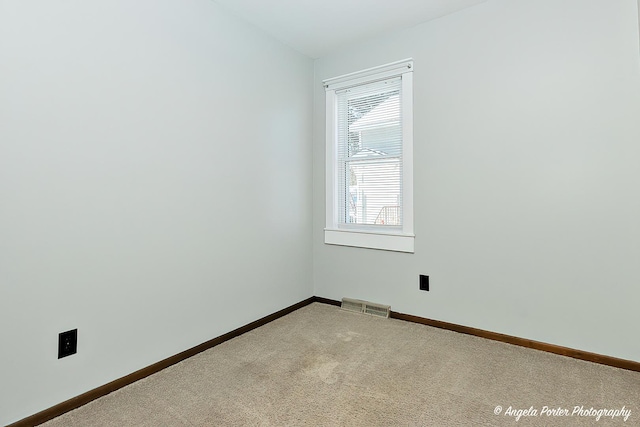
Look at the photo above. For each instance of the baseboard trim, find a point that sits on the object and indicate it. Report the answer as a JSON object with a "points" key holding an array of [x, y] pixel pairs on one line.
{"points": [[509, 339], [83, 399], [327, 301], [523, 342]]}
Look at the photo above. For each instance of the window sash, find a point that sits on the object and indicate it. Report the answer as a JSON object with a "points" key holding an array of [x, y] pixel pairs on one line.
{"points": [[369, 154]]}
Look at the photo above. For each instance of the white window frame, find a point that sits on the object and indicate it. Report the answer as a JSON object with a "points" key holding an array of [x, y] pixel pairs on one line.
{"points": [[371, 236]]}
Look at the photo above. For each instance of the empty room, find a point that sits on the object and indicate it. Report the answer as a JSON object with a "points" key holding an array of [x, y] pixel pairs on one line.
{"points": [[333, 213]]}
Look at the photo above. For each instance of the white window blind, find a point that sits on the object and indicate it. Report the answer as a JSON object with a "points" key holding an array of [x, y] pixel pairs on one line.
{"points": [[369, 154]]}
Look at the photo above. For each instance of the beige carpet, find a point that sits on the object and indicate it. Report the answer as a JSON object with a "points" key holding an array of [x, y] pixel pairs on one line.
{"points": [[321, 366]]}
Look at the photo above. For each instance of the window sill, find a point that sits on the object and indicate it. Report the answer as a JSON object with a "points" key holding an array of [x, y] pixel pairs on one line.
{"points": [[370, 240]]}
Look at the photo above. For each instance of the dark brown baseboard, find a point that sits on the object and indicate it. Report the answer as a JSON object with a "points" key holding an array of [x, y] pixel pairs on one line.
{"points": [[522, 342], [83, 399], [327, 301]]}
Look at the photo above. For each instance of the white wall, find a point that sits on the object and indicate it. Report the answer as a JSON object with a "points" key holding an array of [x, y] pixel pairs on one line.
{"points": [[527, 207], [154, 187]]}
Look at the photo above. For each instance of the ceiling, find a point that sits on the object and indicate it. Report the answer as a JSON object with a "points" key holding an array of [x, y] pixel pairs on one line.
{"points": [[316, 28]]}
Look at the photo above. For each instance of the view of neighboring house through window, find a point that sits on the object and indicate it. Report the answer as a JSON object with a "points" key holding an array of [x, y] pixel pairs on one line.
{"points": [[370, 154], [369, 158]]}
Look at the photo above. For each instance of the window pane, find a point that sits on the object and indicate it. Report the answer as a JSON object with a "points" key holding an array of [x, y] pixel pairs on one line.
{"points": [[374, 192], [370, 154]]}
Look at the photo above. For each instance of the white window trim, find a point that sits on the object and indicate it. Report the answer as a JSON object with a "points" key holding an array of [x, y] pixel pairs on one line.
{"points": [[400, 240]]}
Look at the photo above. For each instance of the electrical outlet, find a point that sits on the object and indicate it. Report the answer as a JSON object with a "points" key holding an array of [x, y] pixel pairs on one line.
{"points": [[424, 283], [67, 343]]}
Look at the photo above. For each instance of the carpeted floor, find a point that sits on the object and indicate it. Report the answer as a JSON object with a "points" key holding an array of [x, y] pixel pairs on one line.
{"points": [[321, 366]]}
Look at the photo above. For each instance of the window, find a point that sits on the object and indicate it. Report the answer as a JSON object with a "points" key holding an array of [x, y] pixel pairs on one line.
{"points": [[370, 158]]}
